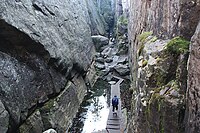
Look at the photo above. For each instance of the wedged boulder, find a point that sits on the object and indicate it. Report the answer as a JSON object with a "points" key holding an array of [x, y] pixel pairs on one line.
{"points": [[99, 41], [4, 119], [123, 70]]}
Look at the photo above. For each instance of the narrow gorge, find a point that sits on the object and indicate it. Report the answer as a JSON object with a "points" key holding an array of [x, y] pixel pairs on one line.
{"points": [[59, 60]]}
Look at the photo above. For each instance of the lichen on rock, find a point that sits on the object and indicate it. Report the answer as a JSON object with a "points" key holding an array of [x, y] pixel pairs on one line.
{"points": [[158, 87]]}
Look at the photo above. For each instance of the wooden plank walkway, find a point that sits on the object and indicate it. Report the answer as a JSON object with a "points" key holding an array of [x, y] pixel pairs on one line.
{"points": [[114, 123]]}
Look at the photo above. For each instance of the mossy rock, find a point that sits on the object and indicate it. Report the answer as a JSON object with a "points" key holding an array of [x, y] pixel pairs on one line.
{"points": [[178, 46], [140, 49], [123, 20], [158, 79], [144, 63], [153, 39], [142, 37], [48, 106]]}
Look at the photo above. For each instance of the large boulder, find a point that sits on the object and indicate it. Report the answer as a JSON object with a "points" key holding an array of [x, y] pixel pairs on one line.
{"points": [[100, 41], [123, 70]]}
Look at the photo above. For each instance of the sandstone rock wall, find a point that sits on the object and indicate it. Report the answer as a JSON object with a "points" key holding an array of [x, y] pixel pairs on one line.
{"points": [[44, 46], [166, 19]]}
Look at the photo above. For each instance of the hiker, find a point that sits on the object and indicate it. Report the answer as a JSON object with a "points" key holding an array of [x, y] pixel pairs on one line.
{"points": [[115, 103]]}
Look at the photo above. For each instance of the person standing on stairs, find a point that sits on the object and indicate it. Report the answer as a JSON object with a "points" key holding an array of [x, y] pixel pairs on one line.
{"points": [[115, 102]]}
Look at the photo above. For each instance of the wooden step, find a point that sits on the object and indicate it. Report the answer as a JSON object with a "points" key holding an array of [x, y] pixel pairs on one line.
{"points": [[114, 119], [113, 131], [117, 127], [113, 123]]}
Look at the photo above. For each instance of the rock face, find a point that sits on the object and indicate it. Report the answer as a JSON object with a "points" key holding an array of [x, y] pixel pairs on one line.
{"points": [[193, 85], [45, 46], [4, 119], [166, 19], [101, 14], [99, 41], [159, 96], [53, 24]]}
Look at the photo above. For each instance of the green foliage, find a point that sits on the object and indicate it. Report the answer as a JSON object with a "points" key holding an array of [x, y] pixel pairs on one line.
{"points": [[142, 37], [144, 63], [178, 45], [160, 78], [140, 49], [153, 39], [123, 20]]}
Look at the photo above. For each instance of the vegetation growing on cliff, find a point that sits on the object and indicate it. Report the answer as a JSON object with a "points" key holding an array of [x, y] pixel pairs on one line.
{"points": [[142, 37], [123, 20], [140, 49], [144, 63], [178, 45]]}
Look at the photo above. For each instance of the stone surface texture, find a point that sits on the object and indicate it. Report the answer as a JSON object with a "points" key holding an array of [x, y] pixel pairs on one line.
{"points": [[166, 19], [101, 14], [44, 46], [4, 119], [193, 104], [159, 97]]}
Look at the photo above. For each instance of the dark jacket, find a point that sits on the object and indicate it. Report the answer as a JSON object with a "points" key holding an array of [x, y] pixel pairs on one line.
{"points": [[115, 101]]}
